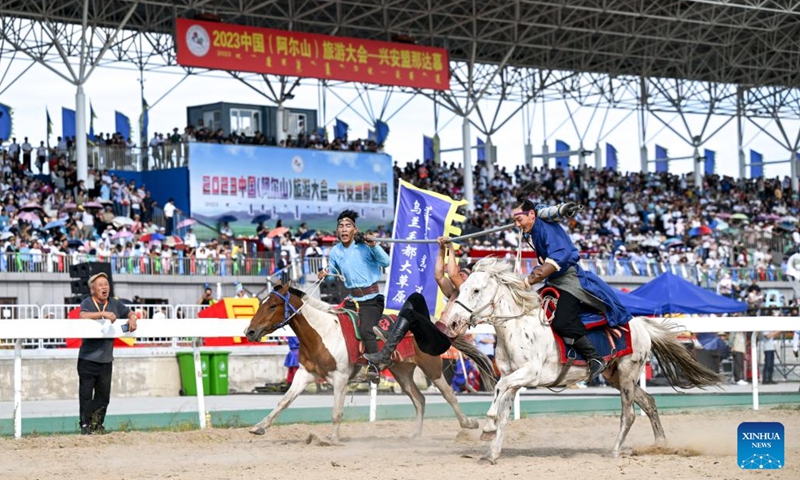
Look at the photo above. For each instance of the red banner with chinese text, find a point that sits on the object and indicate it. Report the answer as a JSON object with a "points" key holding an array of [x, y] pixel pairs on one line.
{"points": [[262, 50]]}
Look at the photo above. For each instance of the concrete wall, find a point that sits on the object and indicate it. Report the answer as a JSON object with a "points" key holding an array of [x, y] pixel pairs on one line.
{"points": [[55, 376]]}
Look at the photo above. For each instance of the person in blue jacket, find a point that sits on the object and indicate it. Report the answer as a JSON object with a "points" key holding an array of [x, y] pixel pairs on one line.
{"points": [[359, 260], [292, 360], [577, 288]]}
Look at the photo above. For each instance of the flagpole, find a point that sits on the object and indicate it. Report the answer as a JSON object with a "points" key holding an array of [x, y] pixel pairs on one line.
{"points": [[449, 240]]}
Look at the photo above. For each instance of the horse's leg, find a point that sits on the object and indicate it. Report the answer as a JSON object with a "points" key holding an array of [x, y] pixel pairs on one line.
{"points": [[432, 368], [503, 414], [404, 374], [449, 395], [648, 404], [627, 389], [301, 380], [339, 382], [518, 378]]}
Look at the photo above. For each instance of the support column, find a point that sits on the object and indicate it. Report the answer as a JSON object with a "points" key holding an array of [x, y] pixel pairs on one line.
{"points": [[468, 182], [598, 158], [740, 132], [280, 132], [642, 125], [793, 170], [698, 174], [529, 155], [545, 156], [80, 134], [581, 157], [490, 154], [643, 158]]}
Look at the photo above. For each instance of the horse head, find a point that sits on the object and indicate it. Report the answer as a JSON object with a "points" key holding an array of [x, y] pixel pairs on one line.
{"points": [[492, 291], [275, 311]]}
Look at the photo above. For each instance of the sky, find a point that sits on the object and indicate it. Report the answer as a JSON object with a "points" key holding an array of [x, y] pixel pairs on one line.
{"points": [[110, 89]]}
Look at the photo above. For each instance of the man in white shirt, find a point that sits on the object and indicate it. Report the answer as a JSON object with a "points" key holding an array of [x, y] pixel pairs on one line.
{"points": [[41, 157], [62, 146], [36, 256], [26, 154], [13, 151], [793, 273], [190, 240], [156, 152], [169, 214]]}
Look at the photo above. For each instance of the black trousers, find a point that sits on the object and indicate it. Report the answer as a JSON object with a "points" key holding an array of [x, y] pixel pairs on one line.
{"points": [[566, 322], [94, 391], [369, 313], [738, 366], [429, 339]]}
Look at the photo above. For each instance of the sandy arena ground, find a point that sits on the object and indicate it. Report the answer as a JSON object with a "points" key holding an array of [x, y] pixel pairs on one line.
{"points": [[701, 445]]}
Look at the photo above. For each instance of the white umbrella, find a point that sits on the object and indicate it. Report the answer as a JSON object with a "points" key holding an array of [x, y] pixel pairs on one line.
{"points": [[122, 221], [651, 242]]}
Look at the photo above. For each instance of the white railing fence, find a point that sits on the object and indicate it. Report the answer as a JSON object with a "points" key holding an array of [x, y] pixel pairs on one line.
{"points": [[20, 329]]}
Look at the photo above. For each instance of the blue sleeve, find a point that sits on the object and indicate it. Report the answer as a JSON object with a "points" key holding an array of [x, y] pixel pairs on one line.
{"points": [[558, 246], [333, 263], [380, 256]]}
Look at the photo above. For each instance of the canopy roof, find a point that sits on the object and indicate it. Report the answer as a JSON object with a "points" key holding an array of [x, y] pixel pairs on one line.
{"points": [[745, 42], [669, 293]]}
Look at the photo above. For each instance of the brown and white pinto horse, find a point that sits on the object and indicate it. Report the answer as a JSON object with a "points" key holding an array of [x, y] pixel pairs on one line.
{"points": [[323, 354]]}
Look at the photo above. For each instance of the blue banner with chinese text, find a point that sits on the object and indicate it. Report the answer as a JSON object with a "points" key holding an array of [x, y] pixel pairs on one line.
{"points": [[420, 214]]}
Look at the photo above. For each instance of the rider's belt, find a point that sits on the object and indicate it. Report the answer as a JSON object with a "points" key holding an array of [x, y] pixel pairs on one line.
{"points": [[364, 291]]}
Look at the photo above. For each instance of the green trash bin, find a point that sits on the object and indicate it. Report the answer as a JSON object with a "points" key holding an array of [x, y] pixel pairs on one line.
{"points": [[188, 380], [219, 373]]}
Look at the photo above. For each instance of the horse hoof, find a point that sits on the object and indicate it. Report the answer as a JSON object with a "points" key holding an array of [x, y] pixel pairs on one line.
{"points": [[257, 431], [470, 423], [487, 436], [486, 461]]}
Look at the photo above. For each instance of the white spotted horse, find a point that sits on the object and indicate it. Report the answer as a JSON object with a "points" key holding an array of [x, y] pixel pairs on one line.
{"points": [[326, 352], [528, 354]]}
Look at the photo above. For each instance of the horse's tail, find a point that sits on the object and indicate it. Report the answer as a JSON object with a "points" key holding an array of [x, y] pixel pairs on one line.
{"points": [[678, 365], [480, 359]]}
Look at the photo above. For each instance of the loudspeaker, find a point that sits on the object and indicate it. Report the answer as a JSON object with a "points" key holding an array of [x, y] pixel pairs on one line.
{"points": [[81, 270], [79, 287], [85, 271]]}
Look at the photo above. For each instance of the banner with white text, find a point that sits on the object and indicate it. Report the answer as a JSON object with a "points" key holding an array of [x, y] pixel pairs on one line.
{"points": [[237, 183], [420, 214]]}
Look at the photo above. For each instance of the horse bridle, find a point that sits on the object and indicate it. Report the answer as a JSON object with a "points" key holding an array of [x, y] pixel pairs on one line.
{"points": [[473, 314], [287, 308], [473, 317]]}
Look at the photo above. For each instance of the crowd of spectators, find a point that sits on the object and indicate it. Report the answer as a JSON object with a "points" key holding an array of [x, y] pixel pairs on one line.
{"points": [[632, 223], [636, 221]]}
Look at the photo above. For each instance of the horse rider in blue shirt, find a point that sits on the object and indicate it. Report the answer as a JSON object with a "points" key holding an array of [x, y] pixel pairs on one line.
{"points": [[359, 260]]}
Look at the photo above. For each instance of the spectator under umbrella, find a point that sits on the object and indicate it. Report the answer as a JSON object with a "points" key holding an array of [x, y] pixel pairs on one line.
{"points": [[152, 237]]}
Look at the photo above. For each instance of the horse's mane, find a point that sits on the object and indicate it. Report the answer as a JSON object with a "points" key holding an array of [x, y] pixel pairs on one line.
{"points": [[503, 271], [311, 301]]}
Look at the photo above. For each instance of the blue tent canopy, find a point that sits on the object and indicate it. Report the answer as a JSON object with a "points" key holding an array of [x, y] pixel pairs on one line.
{"points": [[669, 293], [637, 305]]}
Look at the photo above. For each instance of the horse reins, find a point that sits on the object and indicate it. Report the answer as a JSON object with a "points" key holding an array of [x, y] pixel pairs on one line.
{"points": [[491, 319]]}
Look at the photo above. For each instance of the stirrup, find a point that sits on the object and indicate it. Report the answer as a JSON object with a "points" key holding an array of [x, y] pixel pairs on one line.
{"points": [[596, 361], [368, 374]]}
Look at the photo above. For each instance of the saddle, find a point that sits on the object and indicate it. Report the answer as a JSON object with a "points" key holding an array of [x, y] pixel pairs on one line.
{"points": [[350, 321], [609, 342]]}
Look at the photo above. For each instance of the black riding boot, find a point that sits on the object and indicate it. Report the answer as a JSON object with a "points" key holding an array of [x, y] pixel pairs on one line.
{"points": [[383, 359], [593, 359]]}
